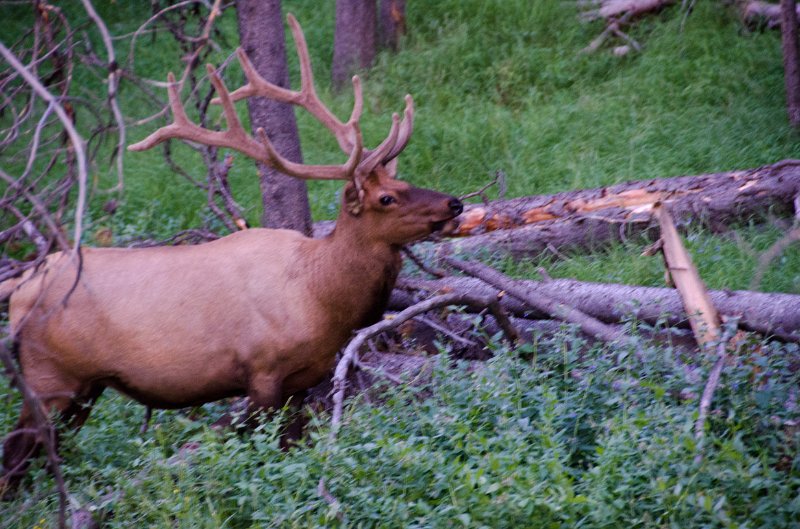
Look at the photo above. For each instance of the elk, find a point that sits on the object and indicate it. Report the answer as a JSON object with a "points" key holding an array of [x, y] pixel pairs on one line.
{"points": [[259, 313]]}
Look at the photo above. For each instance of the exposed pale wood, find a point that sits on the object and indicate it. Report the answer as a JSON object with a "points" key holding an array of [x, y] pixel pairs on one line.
{"points": [[612, 9], [703, 316], [526, 226]]}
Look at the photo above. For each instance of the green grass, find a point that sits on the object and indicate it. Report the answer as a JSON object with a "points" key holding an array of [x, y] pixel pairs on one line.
{"points": [[726, 261], [503, 86]]}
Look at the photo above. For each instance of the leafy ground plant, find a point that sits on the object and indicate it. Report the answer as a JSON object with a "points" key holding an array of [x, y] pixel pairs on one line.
{"points": [[558, 432]]}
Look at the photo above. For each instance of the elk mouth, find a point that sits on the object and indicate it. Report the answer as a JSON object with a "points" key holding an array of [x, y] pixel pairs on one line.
{"points": [[445, 225]]}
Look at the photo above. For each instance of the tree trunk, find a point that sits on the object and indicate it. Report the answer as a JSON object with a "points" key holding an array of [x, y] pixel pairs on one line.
{"points": [[587, 218], [767, 313], [261, 35], [392, 23], [354, 39], [791, 60]]}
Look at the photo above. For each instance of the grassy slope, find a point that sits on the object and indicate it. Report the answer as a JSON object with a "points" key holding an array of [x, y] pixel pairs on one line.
{"points": [[569, 439], [502, 86]]}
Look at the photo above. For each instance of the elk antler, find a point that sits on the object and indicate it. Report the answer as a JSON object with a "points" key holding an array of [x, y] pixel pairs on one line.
{"points": [[361, 162], [307, 98]]}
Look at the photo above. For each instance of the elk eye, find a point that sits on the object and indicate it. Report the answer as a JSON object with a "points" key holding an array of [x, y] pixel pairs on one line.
{"points": [[385, 200]]}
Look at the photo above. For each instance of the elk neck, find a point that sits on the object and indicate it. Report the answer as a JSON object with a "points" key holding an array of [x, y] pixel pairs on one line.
{"points": [[353, 273]]}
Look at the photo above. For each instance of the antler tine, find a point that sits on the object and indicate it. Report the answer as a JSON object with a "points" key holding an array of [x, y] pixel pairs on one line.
{"points": [[236, 138], [312, 172], [257, 85], [306, 73], [358, 101], [307, 96], [406, 128], [235, 128], [310, 99], [170, 131], [377, 155]]}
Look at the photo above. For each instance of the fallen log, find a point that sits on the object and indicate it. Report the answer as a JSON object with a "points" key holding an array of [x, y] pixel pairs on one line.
{"points": [[590, 218], [526, 226], [771, 314], [614, 9], [756, 13]]}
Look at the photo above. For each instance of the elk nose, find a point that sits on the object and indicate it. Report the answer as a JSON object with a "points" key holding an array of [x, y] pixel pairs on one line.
{"points": [[456, 207]]}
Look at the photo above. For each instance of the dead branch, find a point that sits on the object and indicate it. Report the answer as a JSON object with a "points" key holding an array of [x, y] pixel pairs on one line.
{"points": [[709, 389], [77, 147], [434, 272], [554, 307], [351, 351], [618, 13], [350, 355], [771, 254], [499, 180], [113, 87]]}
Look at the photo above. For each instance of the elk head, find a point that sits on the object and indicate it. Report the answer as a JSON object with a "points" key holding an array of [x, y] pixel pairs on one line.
{"points": [[391, 210]]}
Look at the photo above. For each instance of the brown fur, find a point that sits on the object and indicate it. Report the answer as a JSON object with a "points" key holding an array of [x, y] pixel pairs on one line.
{"points": [[260, 312]]}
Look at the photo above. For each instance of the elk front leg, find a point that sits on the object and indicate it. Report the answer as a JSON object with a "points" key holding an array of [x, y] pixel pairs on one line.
{"points": [[266, 395]]}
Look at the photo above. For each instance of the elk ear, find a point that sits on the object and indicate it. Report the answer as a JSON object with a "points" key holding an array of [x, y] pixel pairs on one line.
{"points": [[353, 199]]}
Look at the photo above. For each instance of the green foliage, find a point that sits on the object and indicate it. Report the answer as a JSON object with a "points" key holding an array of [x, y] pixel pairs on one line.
{"points": [[555, 434]]}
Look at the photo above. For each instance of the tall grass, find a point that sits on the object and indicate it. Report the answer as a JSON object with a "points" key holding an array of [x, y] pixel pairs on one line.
{"points": [[503, 86]]}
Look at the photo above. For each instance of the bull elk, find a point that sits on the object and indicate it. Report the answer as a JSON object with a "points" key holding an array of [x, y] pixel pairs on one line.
{"points": [[261, 312]]}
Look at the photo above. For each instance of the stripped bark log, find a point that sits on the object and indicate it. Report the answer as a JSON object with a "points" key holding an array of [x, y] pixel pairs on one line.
{"points": [[526, 226], [766, 313], [584, 218], [613, 9]]}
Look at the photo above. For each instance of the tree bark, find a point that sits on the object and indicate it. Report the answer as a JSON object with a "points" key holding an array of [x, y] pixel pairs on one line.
{"points": [[791, 60], [354, 39], [526, 226], [766, 313], [261, 35], [392, 23]]}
